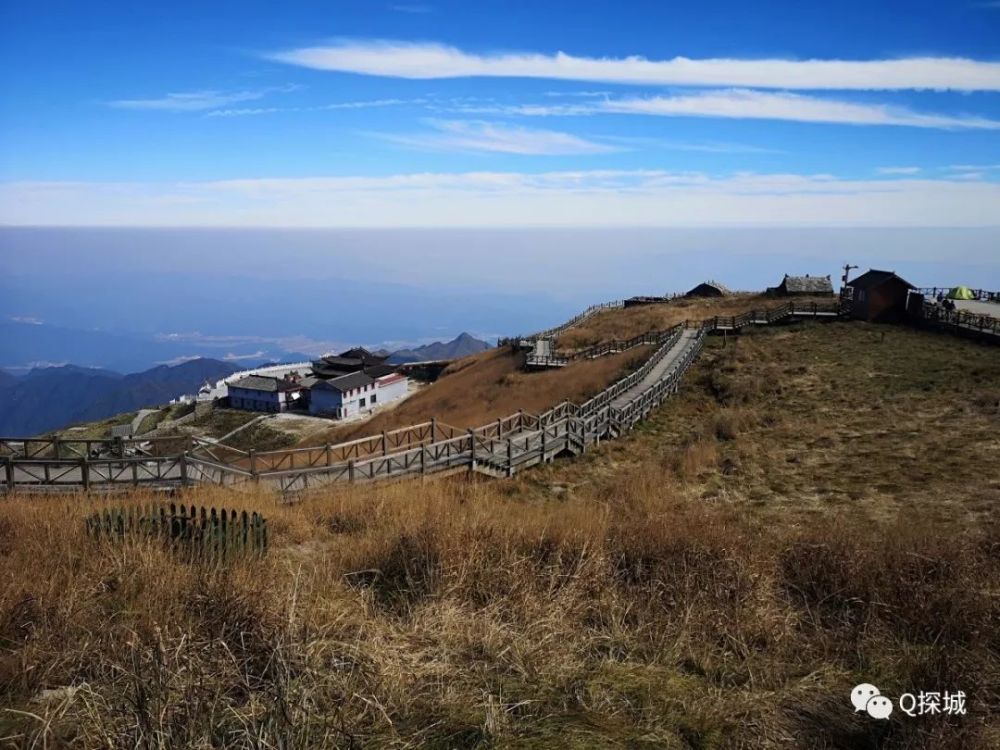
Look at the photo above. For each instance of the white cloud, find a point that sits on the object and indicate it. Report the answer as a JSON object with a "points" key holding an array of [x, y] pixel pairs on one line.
{"points": [[898, 170], [413, 8], [651, 198], [428, 61], [462, 135], [198, 101], [195, 101], [744, 104], [973, 167], [363, 104]]}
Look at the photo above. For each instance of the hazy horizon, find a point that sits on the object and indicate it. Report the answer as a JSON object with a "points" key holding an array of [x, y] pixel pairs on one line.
{"points": [[266, 292]]}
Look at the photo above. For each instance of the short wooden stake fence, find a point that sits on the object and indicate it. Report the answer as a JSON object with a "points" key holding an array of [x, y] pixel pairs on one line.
{"points": [[201, 533]]}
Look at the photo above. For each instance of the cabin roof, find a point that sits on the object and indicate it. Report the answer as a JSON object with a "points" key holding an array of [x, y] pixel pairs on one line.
{"points": [[800, 284], [874, 277]]}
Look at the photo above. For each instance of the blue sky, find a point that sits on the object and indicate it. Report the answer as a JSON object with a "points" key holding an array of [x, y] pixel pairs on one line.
{"points": [[362, 113]]}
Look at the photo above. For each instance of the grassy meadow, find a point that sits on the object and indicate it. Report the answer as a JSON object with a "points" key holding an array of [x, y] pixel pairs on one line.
{"points": [[816, 508]]}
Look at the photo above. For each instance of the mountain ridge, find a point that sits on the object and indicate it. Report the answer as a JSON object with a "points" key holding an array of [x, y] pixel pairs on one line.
{"points": [[463, 345], [52, 397]]}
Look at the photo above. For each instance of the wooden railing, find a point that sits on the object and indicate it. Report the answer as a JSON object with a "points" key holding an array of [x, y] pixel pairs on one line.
{"points": [[719, 323], [960, 320], [499, 448], [550, 332], [982, 295]]}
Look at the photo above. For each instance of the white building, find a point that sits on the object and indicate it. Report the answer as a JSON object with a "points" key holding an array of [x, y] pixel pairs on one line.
{"points": [[353, 393], [259, 393]]}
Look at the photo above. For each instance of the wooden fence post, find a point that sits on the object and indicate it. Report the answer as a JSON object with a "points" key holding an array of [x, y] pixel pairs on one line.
{"points": [[472, 441], [510, 457], [329, 455], [350, 470], [9, 463], [85, 472]]}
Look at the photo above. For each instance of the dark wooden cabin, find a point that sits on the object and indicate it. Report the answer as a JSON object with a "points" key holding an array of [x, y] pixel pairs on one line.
{"points": [[877, 296]]}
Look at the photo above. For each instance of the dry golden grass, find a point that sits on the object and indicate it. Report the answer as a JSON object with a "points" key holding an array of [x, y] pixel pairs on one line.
{"points": [[624, 324], [488, 386], [783, 529], [478, 389]]}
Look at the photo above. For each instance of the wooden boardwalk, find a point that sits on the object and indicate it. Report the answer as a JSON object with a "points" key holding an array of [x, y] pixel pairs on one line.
{"points": [[500, 448], [660, 369]]}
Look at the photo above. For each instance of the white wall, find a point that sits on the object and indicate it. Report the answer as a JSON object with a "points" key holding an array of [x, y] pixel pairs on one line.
{"points": [[220, 389], [391, 391]]}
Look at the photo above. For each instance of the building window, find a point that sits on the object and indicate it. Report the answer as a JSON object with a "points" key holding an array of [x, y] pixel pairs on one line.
{"points": [[373, 397], [361, 403]]}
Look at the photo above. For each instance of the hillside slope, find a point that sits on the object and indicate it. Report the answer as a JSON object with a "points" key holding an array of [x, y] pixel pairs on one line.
{"points": [[49, 398], [479, 389], [809, 512]]}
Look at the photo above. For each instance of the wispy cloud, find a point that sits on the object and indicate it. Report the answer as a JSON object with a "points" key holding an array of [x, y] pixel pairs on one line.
{"points": [[412, 8], [197, 101], [704, 147], [428, 61], [363, 104], [475, 135], [746, 104], [194, 101], [973, 167], [469, 199], [898, 170]]}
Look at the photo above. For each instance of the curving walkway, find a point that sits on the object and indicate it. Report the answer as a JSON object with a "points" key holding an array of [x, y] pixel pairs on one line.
{"points": [[500, 448]]}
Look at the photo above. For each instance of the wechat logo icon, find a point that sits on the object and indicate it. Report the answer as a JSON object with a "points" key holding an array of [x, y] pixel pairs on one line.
{"points": [[867, 698]]}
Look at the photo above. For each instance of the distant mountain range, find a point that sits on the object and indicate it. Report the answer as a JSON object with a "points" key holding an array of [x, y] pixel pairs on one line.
{"points": [[52, 397], [49, 398], [26, 344], [462, 345]]}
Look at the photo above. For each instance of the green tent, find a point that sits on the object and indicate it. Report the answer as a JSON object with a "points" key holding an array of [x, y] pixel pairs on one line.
{"points": [[961, 292]]}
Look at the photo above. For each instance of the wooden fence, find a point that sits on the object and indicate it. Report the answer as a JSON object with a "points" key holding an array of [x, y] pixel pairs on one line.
{"points": [[789, 310], [201, 533], [982, 295], [960, 321], [77, 448], [499, 448], [550, 332]]}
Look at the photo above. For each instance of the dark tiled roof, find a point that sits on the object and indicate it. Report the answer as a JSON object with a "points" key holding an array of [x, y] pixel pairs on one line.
{"points": [[333, 362], [874, 278], [263, 383], [358, 352], [379, 371], [345, 382], [808, 284], [718, 286]]}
